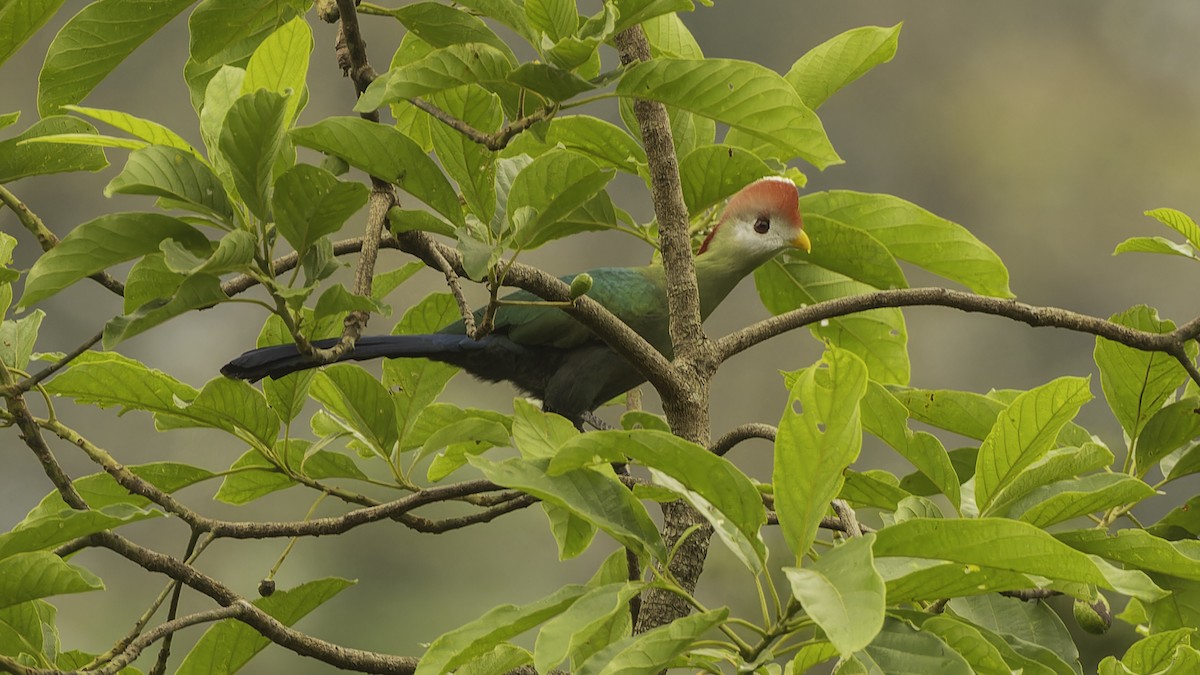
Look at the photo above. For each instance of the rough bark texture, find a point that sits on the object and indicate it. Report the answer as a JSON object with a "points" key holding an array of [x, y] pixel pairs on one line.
{"points": [[686, 406]]}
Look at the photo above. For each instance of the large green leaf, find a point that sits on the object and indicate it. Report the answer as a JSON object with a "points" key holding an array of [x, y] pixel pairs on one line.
{"points": [[1166, 431], [633, 12], [549, 189], [1032, 628], [470, 164], [310, 203], [711, 173], [280, 64], [1067, 499], [900, 648], [108, 379], [715, 487], [462, 644], [198, 291], [93, 43], [1136, 383], [887, 418], [1180, 222], [147, 130], [361, 403], [840, 60], [441, 26], [176, 174], [447, 68], [589, 494], [39, 574], [19, 160], [1059, 464], [652, 651], [102, 243], [228, 645], [101, 489], [843, 593], [1024, 433], [819, 436], [586, 627], [44, 532], [879, 336], [917, 236], [910, 579], [1003, 544], [746, 96], [387, 154], [230, 405], [17, 338], [606, 143], [251, 138], [1140, 549], [252, 476], [20, 20]]}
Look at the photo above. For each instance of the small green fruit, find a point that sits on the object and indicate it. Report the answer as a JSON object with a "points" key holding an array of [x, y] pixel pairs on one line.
{"points": [[1095, 616], [580, 285]]}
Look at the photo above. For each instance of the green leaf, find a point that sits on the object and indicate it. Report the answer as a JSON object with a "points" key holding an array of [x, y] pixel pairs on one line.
{"points": [[877, 489], [1167, 430], [93, 43], [553, 186], [228, 645], [1155, 653], [540, 434], [1056, 465], [462, 644], [198, 291], [102, 243], [30, 628], [1024, 625], [1024, 433], [19, 21], [605, 143], [310, 203], [915, 235], [442, 26], [1136, 383], [912, 579], [19, 160], [1139, 549], [652, 651], [470, 164], [1180, 222], [969, 642], [999, 543], [251, 137], [1179, 609], [176, 174], [963, 412], [884, 416], [554, 18], [634, 12], [253, 475], [711, 173], [230, 405], [899, 648], [151, 132], [43, 533], [550, 81], [879, 336], [586, 627], [40, 574], [1077, 497], [387, 154], [843, 593], [360, 403], [280, 64], [418, 382], [819, 436], [101, 489], [1181, 522], [744, 95], [453, 66], [712, 485], [17, 338], [1156, 245], [841, 60], [598, 498], [572, 534], [108, 379]]}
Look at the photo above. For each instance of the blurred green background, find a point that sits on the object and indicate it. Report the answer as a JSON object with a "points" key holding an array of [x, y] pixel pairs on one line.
{"points": [[1044, 128]]}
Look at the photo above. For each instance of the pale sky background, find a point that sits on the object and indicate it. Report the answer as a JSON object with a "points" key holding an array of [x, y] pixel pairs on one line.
{"points": [[1044, 128]]}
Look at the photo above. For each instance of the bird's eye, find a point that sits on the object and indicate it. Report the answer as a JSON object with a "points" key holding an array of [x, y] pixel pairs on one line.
{"points": [[762, 225]]}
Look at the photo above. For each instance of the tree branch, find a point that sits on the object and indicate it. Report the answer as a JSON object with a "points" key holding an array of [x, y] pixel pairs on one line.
{"points": [[742, 433], [1171, 343]]}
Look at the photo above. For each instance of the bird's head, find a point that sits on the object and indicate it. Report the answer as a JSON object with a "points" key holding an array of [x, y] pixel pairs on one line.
{"points": [[759, 221]]}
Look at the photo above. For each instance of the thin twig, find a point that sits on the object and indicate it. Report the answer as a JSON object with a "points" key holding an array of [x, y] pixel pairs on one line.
{"points": [[742, 433], [847, 516]]}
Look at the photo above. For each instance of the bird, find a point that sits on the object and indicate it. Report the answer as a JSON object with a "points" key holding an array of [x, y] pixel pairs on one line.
{"points": [[549, 355]]}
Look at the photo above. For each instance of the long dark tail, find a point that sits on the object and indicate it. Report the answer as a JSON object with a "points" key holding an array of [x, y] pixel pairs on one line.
{"points": [[282, 360]]}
